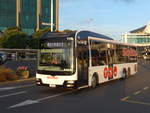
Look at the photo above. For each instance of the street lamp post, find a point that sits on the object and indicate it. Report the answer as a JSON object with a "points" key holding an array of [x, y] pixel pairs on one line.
{"points": [[51, 23], [57, 15], [52, 15]]}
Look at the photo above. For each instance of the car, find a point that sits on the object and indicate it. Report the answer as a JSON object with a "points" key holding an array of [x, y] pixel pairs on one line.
{"points": [[3, 57]]}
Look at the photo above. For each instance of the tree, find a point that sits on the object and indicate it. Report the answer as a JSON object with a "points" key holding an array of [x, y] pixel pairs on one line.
{"points": [[35, 37], [13, 38], [68, 30], [40, 32]]}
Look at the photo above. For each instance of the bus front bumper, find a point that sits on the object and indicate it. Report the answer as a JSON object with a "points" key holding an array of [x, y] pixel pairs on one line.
{"points": [[66, 84]]}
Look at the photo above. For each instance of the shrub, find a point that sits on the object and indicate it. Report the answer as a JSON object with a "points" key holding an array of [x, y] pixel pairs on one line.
{"points": [[7, 74], [2, 78]]}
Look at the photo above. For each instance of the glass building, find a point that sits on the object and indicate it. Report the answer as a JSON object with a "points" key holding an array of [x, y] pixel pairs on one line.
{"points": [[46, 12], [138, 36], [7, 14], [29, 15]]}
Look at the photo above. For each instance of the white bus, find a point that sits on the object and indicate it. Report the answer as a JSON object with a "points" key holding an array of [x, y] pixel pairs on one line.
{"points": [[83, 58]]}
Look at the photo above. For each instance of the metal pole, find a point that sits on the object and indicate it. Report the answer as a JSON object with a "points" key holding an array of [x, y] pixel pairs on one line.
{"points": [[57, 15], [38, 14], [18, 5], [52, 15]]}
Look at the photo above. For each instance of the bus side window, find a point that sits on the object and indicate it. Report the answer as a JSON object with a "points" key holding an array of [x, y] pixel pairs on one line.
{"points": [[95, 57], [102, 58], [119, 53]]}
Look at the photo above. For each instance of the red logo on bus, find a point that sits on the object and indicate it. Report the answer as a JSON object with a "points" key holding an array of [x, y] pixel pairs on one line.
{"points": [[52, 77], [105, 72], [115, 71], [110, 72]]}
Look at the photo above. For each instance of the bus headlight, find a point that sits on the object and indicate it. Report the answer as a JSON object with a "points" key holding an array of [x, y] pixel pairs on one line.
{"points": [[70, 82]]}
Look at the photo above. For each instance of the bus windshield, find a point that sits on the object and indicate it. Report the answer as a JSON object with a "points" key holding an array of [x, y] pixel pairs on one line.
{"points": [[56, 57]]}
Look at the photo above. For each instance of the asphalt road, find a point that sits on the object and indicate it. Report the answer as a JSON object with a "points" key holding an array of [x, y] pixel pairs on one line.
{"points": [[120, 96]]}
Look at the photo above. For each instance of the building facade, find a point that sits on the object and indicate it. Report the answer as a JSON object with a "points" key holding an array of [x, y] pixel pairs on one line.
{"points": [[138, 36], [29, 15]]}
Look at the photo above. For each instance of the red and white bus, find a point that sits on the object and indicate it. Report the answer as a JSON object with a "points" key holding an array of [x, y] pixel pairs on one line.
{"points": [[83, 58]]}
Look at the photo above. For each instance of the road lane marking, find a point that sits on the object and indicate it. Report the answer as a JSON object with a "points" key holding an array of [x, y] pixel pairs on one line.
{"points": [[7, 88], [136, 93], [82, 87], [57, 95], [23, 86], [12, 94], [29, 102], [125, 98], [145, 88], [24, 103], [137, 102], [17, 87]]}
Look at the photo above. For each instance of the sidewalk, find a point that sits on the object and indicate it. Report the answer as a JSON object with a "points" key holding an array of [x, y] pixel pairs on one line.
{"points": [[17, 81]]}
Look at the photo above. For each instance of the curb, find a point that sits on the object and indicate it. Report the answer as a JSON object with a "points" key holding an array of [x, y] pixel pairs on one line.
{"points": [[17, 81]]}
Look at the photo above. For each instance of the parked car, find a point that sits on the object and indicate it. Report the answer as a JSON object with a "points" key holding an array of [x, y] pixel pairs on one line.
{"points": [[3, 57]]}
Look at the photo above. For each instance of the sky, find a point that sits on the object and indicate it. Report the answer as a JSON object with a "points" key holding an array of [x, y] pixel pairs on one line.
{"points": [[108, 17]]}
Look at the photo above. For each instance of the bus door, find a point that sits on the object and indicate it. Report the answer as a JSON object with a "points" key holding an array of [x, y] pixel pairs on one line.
{"points": [[111, 55], [83, 64]]}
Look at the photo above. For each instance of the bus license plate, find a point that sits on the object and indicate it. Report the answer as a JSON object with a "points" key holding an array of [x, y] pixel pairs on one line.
{"points": [[52, 85]]}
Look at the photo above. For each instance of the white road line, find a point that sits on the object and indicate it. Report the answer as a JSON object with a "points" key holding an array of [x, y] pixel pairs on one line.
{"points": [[137, 102], [145, 88], [57, 95], [29, 102], [7, 88], [17, 87], [86, 86], [136, 93], [125, 98], [64, 93], [23, 86], [12, 94], [24, 103]]}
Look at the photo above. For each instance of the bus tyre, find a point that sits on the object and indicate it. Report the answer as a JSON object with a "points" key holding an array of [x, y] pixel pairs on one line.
{"points": [[129, 72], [124, 73], [93, 82], [75, 85]]}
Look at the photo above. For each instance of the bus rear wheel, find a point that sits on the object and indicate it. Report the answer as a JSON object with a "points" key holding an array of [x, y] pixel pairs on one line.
{"points": [[124, 74], [129, 72], [94, 82]]}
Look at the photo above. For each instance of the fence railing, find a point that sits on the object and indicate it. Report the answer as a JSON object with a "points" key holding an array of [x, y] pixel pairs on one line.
{"points": [[20, 54]]}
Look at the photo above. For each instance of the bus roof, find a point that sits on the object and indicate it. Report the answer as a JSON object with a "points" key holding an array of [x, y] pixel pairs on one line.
{"points": [[86, 34], [49, 35], [112, 41], [81, 35]]}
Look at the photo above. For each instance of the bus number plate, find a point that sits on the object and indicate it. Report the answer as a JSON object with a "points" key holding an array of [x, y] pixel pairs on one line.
{"points": [[52, 85]]}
